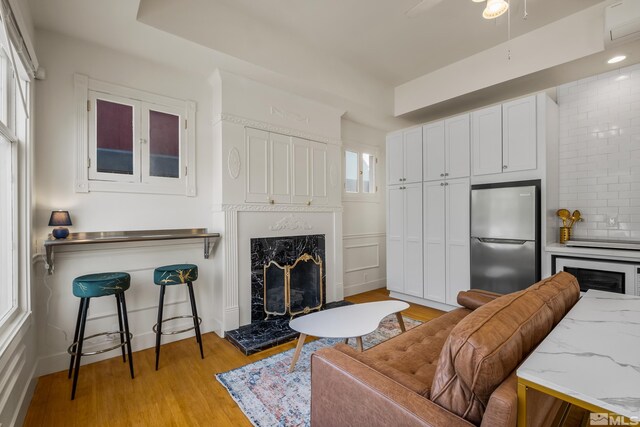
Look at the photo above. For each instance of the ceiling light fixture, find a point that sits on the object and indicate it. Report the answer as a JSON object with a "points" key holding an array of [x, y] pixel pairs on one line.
{"points": [[616, 59], [495, 8]]}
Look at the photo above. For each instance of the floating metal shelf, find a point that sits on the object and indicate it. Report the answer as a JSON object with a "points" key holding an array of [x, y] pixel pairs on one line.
{"points": [[99, 237]]}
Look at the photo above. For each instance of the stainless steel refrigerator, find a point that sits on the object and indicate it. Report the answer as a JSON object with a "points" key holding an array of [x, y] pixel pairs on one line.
{"points": [[505, 236]]}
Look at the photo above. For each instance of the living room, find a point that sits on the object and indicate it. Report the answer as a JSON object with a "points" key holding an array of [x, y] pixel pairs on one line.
{"points": [[419, 212]]}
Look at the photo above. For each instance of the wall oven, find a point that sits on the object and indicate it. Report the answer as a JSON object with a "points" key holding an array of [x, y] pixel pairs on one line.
{"points": [[604, 275]]}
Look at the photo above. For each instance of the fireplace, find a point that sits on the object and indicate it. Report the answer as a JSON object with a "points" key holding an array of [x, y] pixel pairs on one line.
{"points": [[269, 298], [293, 289]]}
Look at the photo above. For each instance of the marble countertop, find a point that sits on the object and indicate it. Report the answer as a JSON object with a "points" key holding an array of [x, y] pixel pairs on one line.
{"points": [[593, 354], [614, 254]]}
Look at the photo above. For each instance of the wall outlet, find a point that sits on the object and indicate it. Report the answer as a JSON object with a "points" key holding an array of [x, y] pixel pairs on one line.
{"points": [[612, 221]]}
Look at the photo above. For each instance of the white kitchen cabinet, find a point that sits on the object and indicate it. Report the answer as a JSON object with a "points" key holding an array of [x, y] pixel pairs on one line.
{"points": [[445, 148], [519, 136], [404, 239], [486, 140], [457, 141], [433, 143], [395, 238], [404, 156], [458, 258], [446, 239], [504, 137], [434, 241]]}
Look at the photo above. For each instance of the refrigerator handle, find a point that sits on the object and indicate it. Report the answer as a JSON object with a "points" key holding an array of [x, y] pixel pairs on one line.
{"points": [[501, 241]]}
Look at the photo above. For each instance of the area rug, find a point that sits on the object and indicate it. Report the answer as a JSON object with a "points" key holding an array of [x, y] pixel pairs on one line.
{"points": [[271, 396]]}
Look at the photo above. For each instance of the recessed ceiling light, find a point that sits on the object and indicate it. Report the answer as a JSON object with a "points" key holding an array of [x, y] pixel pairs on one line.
{"points": [[617, 59]]}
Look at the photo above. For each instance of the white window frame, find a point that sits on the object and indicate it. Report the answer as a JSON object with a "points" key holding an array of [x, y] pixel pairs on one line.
{"points": [[88, 179], [361, 149]]}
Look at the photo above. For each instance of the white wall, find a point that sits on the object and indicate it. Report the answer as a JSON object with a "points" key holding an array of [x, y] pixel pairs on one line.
{"points": [[600, 153], [364, 222], [62, 56]]}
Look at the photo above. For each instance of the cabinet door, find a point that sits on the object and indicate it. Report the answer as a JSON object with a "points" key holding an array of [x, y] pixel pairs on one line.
{"points": [[279, 168], [257, 146], [300, 170], [319, 167], [395, 239], [395, 158], [458, 238], [433, 151], [413, 278], [457, 138], [519, 136], [434, 241], [486, 140], [413, 155]]}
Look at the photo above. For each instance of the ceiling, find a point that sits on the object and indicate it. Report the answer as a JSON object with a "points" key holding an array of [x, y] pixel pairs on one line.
{"points": [[377, 37]]}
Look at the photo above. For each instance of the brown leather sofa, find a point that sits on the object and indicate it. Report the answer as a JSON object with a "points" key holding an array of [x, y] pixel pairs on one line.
{"points": [[455, 370]]}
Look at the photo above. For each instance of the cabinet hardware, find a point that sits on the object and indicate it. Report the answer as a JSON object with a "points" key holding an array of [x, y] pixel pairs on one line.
{"points": [[309, 203], [442, 184], [272, 201], [504, 167], [441, 175], [446, 174], [400, 179], [446, 183]]}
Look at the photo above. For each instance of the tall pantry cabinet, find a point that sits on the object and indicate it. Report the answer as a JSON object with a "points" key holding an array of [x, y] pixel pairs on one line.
{"points": [[404, 215]]}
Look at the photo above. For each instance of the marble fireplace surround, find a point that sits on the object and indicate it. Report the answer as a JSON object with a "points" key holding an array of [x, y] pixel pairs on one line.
{"points": [[278, 223], [284, 251]]}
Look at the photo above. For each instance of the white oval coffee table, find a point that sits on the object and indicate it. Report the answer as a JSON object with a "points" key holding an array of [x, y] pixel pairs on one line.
{"points": [[351, 321]]}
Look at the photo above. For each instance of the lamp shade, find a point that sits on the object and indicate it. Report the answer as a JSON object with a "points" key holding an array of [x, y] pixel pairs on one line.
{"points": [[495, 8], [60, 219]]}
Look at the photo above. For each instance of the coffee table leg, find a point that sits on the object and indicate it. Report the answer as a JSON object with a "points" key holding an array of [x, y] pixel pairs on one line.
{"points": [[346, 340], [400, 321], [296, 355], [359, 342]]}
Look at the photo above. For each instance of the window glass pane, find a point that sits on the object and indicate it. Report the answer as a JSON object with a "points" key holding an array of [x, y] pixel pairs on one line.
{"points": [[351, 172], [114, 137], [368, 182], [164, 140], [7, 193]]}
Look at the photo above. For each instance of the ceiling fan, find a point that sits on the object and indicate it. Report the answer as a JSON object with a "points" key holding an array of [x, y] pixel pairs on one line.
{"points": [[494, 8]]}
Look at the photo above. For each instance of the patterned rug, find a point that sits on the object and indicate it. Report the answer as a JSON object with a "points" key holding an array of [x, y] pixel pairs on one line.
{"points": [[271, 396]]}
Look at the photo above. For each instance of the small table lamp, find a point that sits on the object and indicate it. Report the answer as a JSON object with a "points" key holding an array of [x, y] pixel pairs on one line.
{"points": [[60, 219]]}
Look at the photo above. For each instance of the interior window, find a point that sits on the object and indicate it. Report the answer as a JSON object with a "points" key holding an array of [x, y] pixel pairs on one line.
{"points": [[368, 164], [114, 137], [164, 141], [351, 172]]}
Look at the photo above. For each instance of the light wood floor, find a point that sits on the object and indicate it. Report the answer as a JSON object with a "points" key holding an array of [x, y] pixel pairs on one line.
{"points": [[182, 392]]}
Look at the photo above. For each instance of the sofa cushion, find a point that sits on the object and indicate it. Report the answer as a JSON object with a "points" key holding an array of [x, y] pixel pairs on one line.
{"points": [[410, 358], [492, 341]]}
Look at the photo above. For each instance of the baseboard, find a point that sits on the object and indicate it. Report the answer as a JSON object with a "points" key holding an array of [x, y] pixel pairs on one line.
{"points": [[421, 301], [359, 288]]}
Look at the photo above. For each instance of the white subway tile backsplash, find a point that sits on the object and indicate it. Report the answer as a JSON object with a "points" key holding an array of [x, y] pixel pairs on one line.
{"points": [[599, 152]]}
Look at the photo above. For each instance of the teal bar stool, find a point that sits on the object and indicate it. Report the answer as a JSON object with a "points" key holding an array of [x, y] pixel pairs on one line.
{"points": [[177, 274], [95, 286]]}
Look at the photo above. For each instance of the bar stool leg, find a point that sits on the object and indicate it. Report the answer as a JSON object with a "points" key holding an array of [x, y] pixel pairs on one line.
{"points": [[75, 336], [194, 311], [124, 359], [126, 332], [85, 308], [159, 325]]}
